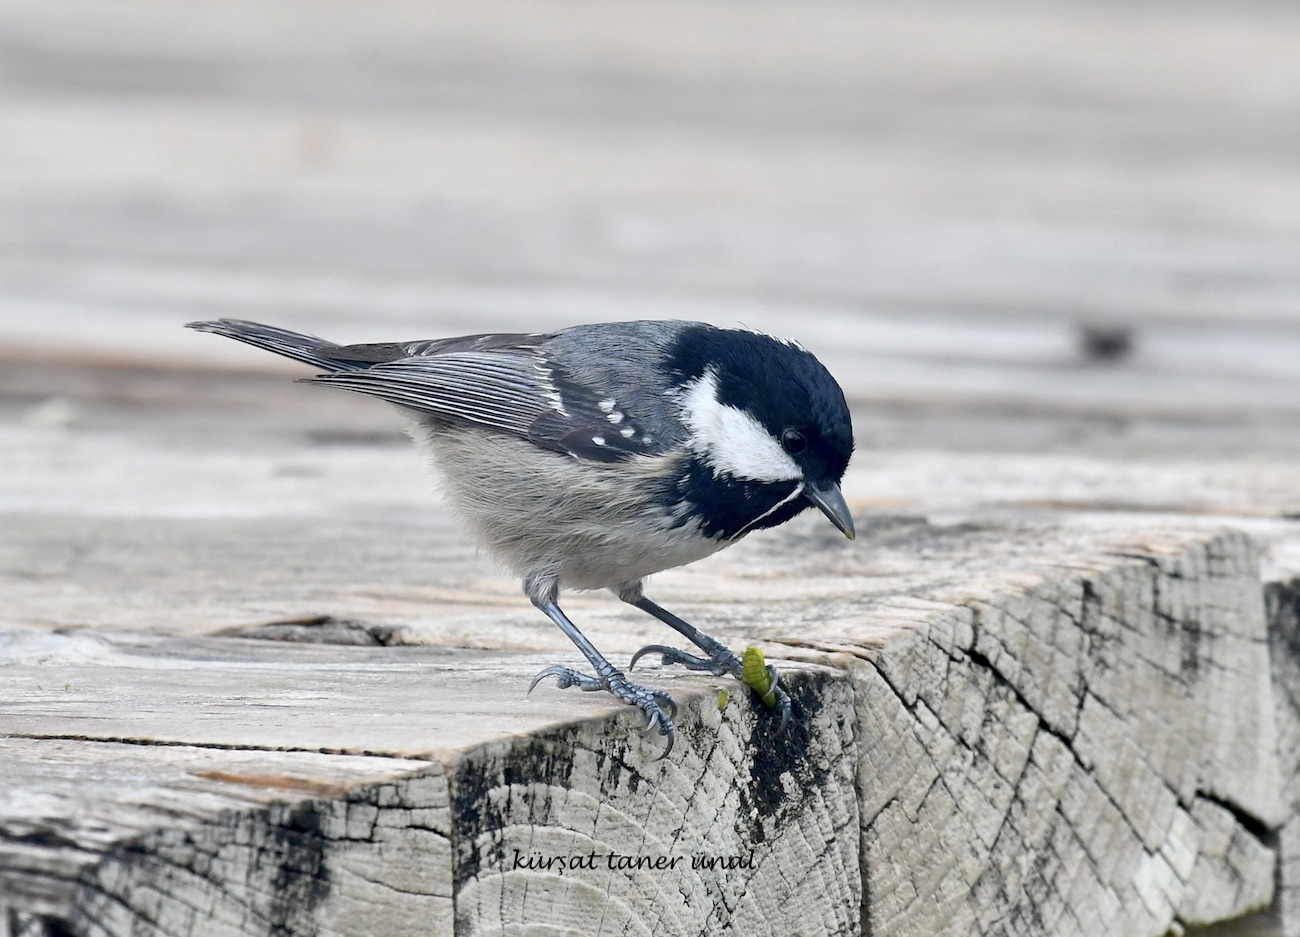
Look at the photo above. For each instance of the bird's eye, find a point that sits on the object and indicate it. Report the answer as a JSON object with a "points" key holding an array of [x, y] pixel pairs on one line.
{"points": [[793, 441]]}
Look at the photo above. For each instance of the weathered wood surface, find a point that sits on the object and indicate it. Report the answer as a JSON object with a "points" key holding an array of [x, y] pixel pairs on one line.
{"points": [[1047, 692], [998, 732], [1033, 724]]}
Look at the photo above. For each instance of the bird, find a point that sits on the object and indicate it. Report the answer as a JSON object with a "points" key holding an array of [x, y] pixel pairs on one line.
{"points": [[596, 455]]}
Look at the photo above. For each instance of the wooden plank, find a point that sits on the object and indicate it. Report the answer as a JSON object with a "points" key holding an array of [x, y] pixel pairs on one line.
{"points": [[177, 839], [236, 824], [1056, 698], [136, 535]]}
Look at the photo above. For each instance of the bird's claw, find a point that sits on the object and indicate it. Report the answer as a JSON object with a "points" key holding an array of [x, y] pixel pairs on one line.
{"points": [[656, 704], [774, 696], [566, 677], [671, 655], [665, 701], [721, 661], [782, 697]]}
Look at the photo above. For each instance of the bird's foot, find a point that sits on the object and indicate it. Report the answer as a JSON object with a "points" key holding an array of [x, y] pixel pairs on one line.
{"points": [[656, 704], [717, 664], [721, 660]]}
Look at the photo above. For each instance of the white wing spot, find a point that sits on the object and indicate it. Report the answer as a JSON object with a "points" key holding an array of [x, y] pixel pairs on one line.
{"points": [[615, 417], [627, 432], [607, 405], [646, 439], [598, 440]]}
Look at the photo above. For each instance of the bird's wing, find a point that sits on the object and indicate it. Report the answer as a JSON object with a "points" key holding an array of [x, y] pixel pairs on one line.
{"points": [[503, 382]]}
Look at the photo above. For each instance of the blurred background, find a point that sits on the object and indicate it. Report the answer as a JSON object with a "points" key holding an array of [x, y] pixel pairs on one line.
{"points": [[1048, 230]]}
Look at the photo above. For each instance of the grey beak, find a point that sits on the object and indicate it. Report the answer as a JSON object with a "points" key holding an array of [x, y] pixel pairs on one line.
{"points": [[827, 497]]}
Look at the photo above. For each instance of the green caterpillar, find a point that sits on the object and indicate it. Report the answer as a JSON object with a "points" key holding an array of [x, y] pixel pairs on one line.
{"points": [[758, 676]]}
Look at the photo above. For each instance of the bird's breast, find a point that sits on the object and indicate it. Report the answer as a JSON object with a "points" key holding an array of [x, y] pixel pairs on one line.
{"points": [[592, 525]]}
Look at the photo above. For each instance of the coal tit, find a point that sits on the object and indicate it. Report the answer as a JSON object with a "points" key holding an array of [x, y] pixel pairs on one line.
{"points": [[591, 457]]}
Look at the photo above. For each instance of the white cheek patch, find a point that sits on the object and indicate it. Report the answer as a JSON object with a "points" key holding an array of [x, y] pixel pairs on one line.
{"points": [[730, 440]]}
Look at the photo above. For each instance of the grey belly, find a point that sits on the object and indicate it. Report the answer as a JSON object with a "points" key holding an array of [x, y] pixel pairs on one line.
{"points": [[544, 513]]}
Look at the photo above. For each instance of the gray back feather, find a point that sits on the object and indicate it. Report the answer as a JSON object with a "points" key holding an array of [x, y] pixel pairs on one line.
{"points": [[593, 391]]}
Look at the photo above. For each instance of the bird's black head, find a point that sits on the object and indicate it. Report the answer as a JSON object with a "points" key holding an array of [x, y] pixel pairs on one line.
{"points": [[770, 431]]}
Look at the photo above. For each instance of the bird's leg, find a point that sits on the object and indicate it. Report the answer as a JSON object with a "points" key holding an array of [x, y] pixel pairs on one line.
{"points": [[720, 659], [656, 704]]}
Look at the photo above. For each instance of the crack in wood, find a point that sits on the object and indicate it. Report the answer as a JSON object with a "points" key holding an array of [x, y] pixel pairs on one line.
{"points": [[216, 746], [319, 629]]}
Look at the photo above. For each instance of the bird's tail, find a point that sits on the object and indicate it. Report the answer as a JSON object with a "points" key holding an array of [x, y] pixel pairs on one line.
{"points": [[305, 348]]}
